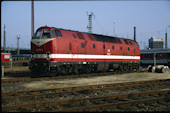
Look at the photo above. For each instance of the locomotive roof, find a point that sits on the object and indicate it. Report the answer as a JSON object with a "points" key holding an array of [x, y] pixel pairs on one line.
{"points": [[87, 32], [160, 50]]}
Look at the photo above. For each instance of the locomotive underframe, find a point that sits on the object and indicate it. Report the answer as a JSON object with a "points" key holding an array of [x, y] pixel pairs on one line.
{"points": [[82, 67]]}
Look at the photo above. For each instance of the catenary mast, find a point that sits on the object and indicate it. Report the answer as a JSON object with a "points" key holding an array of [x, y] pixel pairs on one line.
{"points": [[32, 18]]}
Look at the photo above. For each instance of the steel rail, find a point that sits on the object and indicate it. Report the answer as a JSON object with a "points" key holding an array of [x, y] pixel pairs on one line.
{"points": [[103, 107], [80, 90], [70, 101]]}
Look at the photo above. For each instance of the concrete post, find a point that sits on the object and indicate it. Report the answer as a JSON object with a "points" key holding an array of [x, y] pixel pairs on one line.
{"points": [[154, 59], [11, 62], [166, 46], [2, 70]]}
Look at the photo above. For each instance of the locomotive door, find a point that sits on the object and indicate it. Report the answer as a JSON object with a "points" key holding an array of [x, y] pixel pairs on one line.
{"points": [[104, 50], [73, 48], [105, 54], [81, 47]]}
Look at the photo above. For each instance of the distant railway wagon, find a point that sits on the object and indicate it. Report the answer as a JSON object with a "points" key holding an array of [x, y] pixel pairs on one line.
{"points": [[67, 51], [162, 57], [21, 57], [5, 57]]}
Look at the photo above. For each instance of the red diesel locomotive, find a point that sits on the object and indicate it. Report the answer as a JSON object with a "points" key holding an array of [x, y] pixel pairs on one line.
{"points": [[66, 51]]}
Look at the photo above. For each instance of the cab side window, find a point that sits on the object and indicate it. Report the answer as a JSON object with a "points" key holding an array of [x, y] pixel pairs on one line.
{"points": [[58, 33], [53, 34], [74, 36]]}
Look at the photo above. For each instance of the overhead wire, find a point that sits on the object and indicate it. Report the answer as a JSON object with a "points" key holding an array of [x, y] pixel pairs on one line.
{"points": [[102, 28]]}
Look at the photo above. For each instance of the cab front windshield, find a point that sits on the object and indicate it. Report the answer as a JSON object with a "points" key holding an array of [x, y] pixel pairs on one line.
{"points": [[42, 34]]}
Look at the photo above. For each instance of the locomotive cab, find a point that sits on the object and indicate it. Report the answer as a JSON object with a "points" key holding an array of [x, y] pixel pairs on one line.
{"points": [[41, 47]]}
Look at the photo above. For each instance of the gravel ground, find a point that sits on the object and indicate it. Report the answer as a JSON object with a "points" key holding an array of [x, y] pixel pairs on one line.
{"points": [[87, 94], [16, 69], [115, 78], [118, 78]]}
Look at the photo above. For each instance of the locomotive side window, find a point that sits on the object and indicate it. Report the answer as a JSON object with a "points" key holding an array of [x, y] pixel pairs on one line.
{"points": [[94, 46], [103, 46], [53, 34], [120, 48], [82, 45], [74, 35], [46, 33], [58, 33], [113, 47], [128, 48]]}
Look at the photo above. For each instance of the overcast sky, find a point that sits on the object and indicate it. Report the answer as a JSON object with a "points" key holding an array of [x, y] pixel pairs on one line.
{"points": [[151, 18]]}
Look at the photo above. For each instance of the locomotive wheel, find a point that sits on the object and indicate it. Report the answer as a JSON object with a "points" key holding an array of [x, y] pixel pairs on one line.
{"points": [[87, 69], [69, 69], [61, 70], [136, 66], [94, 68], [75, 70], [46, 69], [130, 67], [64, 70], [126, 68], [121, 68]]}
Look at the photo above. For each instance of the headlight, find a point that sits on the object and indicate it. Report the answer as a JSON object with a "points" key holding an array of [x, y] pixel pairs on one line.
{"points": [[48, 55]]}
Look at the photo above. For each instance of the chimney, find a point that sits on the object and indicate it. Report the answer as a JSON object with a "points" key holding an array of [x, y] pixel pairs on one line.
{"points": [[134, 33]]}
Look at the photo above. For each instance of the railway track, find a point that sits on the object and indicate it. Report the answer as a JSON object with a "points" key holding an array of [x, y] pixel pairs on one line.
{"points": [[54, 76], [112, 106], [94, 103], [9, 100], [124, 85]]}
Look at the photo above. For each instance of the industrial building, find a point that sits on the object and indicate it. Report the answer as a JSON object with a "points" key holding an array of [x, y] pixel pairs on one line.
{"points": [[155, 42]]}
